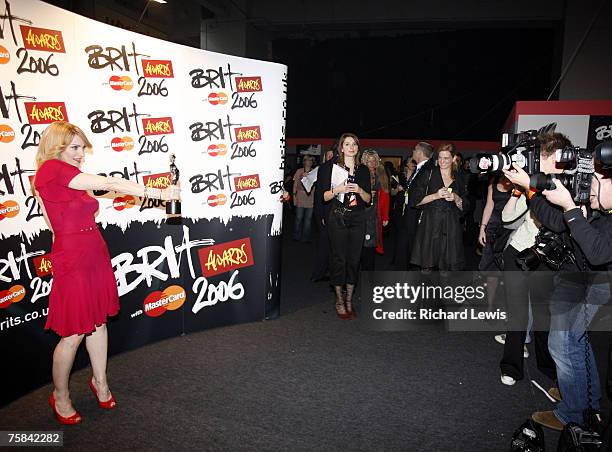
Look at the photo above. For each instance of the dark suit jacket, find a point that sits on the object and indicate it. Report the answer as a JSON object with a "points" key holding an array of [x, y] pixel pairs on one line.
{"points": [[410, 218], [322, 208]]}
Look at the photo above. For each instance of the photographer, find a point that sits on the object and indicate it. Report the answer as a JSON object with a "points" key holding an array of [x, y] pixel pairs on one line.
{"points": [[521, 288], [575, 301]]}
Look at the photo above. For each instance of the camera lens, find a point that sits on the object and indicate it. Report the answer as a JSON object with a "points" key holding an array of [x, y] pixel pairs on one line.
{"points": [[603, 154], [541, 181], [528, 259]]}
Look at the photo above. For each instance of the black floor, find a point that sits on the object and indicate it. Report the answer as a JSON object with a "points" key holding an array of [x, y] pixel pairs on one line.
{"points": [[304, 381]]}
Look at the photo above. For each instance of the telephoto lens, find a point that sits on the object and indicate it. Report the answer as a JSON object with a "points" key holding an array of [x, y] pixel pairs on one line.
{"points": [[541, 181], [488, 163], [603, 154]]}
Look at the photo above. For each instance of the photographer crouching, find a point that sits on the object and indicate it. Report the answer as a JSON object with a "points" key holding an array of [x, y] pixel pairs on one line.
{"points": [[575, 298]]}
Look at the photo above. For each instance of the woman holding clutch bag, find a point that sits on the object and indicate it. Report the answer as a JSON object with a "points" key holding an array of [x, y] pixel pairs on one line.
{"points": [[347, 220]]}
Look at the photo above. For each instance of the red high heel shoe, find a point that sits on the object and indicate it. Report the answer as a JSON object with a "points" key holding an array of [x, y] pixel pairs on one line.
{"points": [[109, 404], [71, 420]]}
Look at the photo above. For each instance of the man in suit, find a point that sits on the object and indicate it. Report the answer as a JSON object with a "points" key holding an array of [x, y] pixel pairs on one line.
{"points": [[321, 214], [408, 222]]}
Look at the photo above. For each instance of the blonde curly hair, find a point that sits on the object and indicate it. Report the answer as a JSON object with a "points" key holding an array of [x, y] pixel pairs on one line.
{"points": [[55, 138]]}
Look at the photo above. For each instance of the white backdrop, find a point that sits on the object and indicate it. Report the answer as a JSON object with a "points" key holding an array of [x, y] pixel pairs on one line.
{"points": [[140, 99], [98, 74]]}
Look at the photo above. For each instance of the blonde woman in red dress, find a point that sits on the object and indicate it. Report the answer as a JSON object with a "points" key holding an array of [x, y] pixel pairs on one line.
{"points": [[84, 291]]}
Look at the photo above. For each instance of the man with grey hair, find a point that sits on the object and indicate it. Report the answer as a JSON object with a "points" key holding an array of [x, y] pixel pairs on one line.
{"points": [[408, 222]]}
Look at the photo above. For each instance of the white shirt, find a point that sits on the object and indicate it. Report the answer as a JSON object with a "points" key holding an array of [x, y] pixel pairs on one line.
{"points": [[416, 171], [525, 224], [420, 164]]}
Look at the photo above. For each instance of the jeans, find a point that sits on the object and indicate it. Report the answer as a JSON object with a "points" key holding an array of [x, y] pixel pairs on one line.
{"points": [[303, 223], [567, 341]]}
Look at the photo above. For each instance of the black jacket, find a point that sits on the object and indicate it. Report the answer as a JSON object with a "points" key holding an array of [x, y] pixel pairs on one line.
{"points": [[590, 239], [321, 208], [409, 220]]}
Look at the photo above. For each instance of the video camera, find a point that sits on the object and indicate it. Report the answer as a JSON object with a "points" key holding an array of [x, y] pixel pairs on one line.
{"points": [[522, 148]]}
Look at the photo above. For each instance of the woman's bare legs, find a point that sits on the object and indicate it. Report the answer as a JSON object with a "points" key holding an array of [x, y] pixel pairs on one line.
{"points": [[63, 358], [97, 347]]}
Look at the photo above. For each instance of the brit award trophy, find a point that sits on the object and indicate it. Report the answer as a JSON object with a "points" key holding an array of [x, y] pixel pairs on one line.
{"points": [[173, 207]]}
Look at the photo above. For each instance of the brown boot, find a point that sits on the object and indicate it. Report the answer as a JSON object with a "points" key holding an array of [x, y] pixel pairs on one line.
{"points": [[555, 394], [548, 419]]}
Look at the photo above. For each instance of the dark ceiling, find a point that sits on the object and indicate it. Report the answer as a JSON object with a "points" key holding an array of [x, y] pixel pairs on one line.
{"points": [[386, 78]]}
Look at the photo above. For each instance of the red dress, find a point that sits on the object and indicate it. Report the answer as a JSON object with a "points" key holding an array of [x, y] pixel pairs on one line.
{"points": [[383, 215], [84, 290]]}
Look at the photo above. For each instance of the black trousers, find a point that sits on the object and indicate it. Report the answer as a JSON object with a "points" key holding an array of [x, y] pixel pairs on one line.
{"points": [[521, 287], [405, 233], [321, 263], [346, 234], [368, 256]]}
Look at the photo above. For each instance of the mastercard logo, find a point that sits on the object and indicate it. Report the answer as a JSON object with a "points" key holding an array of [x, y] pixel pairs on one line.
{"points": [[5, 56], [9, 209], [119, 83], [122, 144], [217, 98], [124, 202], [216, 149], [13, 295], [159, 301], [216, 200], [7, 134]]}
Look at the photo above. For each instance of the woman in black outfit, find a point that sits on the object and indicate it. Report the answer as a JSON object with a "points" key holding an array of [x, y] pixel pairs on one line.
{"points": [[491, 228], [442, 194], [346, 223], [493, 236]]}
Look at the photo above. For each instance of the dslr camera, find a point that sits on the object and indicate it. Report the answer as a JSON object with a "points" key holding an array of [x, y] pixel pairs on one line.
{"points": [[580, 166], [549, 248], [522, 148]]}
